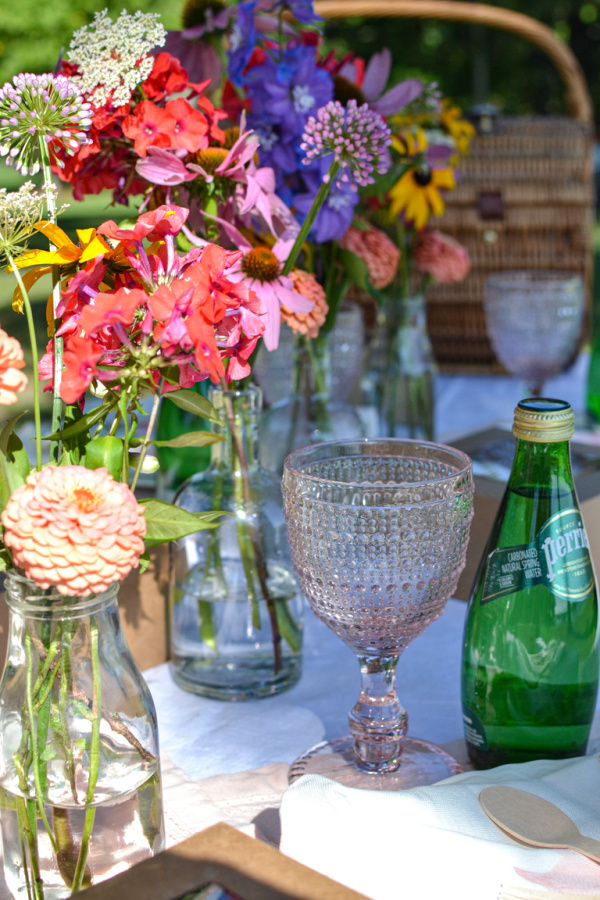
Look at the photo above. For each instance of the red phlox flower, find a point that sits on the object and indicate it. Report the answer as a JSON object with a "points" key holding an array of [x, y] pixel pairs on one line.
{"points": [[110, 308], [206, 351], [191, 127], [167, 77], [46, 366], [80, 357], [80, 290], [237, 358], [149, 125], [154, 225], [233, 106], [213, 114]]}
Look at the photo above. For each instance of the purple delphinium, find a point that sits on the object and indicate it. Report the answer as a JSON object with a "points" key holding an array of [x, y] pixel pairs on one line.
{"points": [[302, 10], [357, 137], [284, 94], [41, 107], [241, 41]]}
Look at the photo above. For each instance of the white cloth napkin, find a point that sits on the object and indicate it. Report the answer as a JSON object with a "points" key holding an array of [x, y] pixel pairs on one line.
{"points": [[436, 842]]}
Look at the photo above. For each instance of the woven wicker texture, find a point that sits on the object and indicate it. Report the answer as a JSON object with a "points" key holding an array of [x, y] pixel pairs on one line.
{"points": [[525, 197]]}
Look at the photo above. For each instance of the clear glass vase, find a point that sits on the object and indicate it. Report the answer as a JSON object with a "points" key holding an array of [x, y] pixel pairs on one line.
{"points": [[80, 790], [236, 613], [311, 414], [398, 384]]}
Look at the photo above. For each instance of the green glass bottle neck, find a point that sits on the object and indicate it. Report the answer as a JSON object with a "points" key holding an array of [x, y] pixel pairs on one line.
{"points": [[547, 465]]}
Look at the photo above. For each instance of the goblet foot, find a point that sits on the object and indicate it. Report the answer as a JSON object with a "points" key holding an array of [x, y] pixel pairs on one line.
{"points": [[421, 763]]}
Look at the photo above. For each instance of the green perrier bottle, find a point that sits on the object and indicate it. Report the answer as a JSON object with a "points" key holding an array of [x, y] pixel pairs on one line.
{"points": [[530, 653]]}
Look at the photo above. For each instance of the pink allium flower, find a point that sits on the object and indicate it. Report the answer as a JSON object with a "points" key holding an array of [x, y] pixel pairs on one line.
{"points": [[307, 323], [12, 380], [441, 257], [379, 253], [74, 529]]}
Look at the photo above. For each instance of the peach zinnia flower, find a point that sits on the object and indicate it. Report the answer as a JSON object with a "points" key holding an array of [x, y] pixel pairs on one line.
{"points": [[12, 380], [442, 257], [378, 252], [307, 323], [74, 529]]}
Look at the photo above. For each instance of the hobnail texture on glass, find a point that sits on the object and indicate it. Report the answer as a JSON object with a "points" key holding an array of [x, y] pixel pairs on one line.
{"points": [[534, 320], [378, 534]]}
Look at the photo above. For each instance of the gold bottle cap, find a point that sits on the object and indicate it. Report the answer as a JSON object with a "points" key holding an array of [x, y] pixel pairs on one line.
{"points": [[543, 420]]}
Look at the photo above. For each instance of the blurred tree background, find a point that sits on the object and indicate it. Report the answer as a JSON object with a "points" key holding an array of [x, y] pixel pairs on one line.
{"points": [[472, 64]]}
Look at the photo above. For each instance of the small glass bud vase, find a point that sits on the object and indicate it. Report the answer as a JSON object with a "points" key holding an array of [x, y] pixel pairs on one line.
{"points": [[80, 789], [236, 613], [311, 414], [398, 384]]}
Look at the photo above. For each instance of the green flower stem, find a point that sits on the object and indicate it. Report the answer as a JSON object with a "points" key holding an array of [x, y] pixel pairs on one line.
{"points": [[18, 801], [63, 702], [123, 404], [57, 404], [148, 435], [34, 359], [261, 567], [25, 827], [53, 651], [317, 203], [35, 738], [94, 764]]}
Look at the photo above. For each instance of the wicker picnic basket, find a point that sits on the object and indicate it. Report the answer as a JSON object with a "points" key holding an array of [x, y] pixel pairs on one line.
{"points": [[525, 198]]}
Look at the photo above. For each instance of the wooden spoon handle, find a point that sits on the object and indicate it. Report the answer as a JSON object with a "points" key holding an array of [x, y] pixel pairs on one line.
{"points": [[588, 846]]}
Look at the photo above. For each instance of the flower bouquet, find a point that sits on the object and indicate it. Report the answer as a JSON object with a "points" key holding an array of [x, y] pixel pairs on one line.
{"points": [[133, 321]]}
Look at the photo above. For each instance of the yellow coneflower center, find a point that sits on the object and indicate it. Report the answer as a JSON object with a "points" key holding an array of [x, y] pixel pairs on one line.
{"points": [[194, 11], [344, 90], [261, 263], [422, 176], [211, 158], [231, 136], [84, 498]]}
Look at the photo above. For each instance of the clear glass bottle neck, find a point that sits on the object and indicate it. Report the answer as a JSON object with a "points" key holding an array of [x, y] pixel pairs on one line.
{"points": [[25, 598], [239, 412], [312, 366]]}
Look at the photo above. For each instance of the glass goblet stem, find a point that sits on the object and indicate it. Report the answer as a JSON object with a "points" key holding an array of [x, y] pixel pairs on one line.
{"points": [[377, 722]]}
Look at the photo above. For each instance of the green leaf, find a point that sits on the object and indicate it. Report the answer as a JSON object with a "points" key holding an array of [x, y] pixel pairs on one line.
{"points": [[73, 448], [5, 560], [14, 462], [165, 522], [83, 424], [195, 403], [144, 562], [106, 450], [192, 439]]}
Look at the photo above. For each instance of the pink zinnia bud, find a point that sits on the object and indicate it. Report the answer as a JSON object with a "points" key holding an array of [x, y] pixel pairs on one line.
{"points": [[308, 323], [74, 529], [378, 252], [12, 380], [442, 257]]}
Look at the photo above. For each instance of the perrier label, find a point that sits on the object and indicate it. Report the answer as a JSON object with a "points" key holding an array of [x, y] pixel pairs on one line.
{"points": [[530, 652]]}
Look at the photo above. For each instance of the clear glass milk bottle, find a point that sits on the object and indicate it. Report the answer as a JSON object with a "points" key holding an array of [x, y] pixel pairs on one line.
{"points": [[530, 653], [80, 790]]}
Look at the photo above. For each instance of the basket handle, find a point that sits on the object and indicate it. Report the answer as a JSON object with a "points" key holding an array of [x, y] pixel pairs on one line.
{"points": [[578, 100]]}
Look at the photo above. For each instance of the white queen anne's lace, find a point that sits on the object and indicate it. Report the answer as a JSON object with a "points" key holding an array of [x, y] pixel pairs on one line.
{"points": [[113, 57], [19, 211]]}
